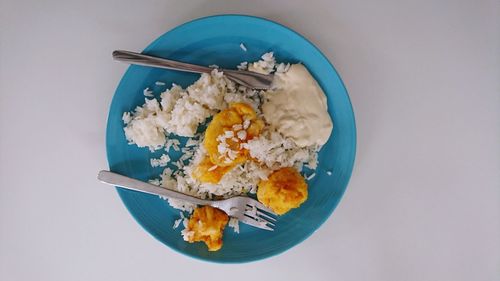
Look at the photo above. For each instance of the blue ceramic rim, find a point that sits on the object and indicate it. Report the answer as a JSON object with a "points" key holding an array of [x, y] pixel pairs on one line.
{"points": [[341, 193]]}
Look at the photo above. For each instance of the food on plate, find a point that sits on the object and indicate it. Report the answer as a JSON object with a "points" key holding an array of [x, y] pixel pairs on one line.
{"points": [[207, 224], [297, 107], [255, 142], [208, 172], [284, 190], [179, 111], [224, 139], [228, 130]]}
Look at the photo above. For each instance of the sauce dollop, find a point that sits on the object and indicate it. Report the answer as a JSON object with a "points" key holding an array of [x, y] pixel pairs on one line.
{"points": [[296, 106]]}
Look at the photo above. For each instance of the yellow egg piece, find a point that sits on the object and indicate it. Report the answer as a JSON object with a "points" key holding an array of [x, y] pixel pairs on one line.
{"points": [[223, 122], [284, 190], [208, 172], [207, 224]]}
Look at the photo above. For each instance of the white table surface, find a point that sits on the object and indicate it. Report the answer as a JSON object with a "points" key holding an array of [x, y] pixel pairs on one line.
{"points": [[424, 199]]}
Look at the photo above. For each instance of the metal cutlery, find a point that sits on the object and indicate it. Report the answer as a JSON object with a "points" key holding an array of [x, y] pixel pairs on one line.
{"points": [[245, 209], [246, 78]]}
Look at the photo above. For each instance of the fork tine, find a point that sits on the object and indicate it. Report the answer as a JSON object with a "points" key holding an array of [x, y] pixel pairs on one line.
{"points": [[255, 223], [266, 216], [253, 215], [254, 212], [263, 207], [259, 219]]}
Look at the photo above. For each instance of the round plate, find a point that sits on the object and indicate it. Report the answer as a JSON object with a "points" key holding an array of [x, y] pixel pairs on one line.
{"points": [[216, 40]]}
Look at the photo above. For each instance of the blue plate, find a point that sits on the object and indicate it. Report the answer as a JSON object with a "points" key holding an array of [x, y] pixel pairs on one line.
{"points": [[216, 40]]}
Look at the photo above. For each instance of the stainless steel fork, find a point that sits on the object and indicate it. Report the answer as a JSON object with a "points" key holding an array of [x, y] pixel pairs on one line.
{"points": [[245, 209], [246, 78]]}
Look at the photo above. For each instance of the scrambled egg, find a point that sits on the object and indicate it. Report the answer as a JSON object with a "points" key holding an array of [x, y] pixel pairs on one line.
{"points": [[285, 189], [227, 131], [208, 172], [225, 121], [207, 224]]}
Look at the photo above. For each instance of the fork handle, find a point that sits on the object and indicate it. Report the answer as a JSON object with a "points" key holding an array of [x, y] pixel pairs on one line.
{"points": [[141, 59], [137, 185]]}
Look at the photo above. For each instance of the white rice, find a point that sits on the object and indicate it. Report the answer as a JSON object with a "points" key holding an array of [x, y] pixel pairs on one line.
{"points": [[234, 223], [282, 67], [160, 162], [148, 93], [192, 142], [276, 151], [182, 219], [142, 126], [172, 143], [243, 66], [179, 111], [186, 156], [155, 181], [265, 65], [126, 117], [177, 222]]}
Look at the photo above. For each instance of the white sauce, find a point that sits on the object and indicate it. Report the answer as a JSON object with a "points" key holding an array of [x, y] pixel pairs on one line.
{"points": [[296, 106]]}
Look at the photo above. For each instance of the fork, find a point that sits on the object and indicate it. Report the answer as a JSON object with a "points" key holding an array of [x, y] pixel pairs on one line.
{"points": [[248, 79], [245, 209]]}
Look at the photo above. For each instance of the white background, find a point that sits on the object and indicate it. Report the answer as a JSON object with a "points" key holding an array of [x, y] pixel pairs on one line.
{"points": [[424, 199]]}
